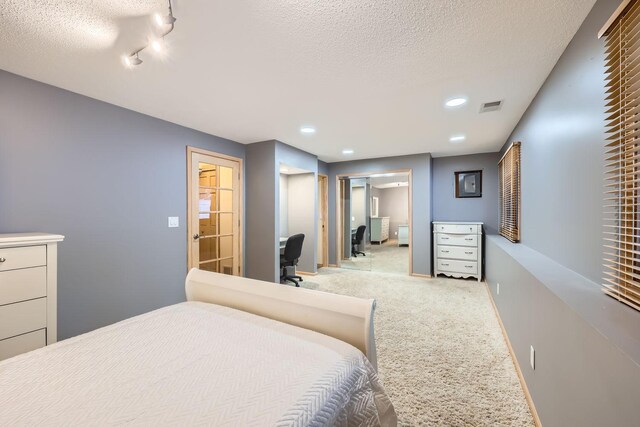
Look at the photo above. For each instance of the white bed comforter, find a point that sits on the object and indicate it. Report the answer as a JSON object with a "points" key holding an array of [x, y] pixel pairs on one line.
{"points": [[194, 364]]}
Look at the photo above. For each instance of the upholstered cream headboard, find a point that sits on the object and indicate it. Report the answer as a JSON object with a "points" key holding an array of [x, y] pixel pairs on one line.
{"points": [[343, 317]]}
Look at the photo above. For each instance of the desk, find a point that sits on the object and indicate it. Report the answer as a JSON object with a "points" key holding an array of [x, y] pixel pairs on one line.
{"points": [[283, 242]]}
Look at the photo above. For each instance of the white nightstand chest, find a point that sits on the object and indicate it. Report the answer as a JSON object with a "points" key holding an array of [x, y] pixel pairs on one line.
{"points": [[457, 249], [28, 292]]}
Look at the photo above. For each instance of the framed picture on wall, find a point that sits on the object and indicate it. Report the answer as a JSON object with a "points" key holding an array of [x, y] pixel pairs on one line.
{"points": [[468, 184]]}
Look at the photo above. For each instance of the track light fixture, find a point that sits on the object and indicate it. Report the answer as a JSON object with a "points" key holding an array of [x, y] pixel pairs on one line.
{"points": [[133, 60], [157, 41]]}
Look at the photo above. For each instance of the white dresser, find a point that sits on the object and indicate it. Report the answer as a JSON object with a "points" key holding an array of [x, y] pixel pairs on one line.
{"points": [[403, 235], [380, 229], [457, 248], [28, 292]]}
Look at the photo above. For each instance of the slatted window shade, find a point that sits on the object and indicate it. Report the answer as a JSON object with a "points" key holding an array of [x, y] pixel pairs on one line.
{"points": [[622, 157], [509, 174]]}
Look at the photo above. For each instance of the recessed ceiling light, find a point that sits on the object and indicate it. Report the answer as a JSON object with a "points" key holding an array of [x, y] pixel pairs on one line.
{"points": [[347, 151], [456, 102], [457, 138], [307, 130]]}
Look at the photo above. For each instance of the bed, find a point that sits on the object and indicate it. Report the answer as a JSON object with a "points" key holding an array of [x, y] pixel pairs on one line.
{"points": [[239, 352]]}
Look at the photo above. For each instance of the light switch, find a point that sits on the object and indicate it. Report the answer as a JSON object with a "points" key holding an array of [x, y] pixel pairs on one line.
{"points": [[174, 221]]}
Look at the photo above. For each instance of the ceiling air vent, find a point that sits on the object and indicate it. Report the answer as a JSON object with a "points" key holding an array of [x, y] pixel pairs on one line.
{"points": [[491, 106]]}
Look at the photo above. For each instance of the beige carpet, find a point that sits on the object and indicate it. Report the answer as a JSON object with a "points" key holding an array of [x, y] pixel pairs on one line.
{"points": [[385, 258], [441, 353]]}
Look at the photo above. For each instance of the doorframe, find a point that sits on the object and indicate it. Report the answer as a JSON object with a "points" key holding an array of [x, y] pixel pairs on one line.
{"points": [[324, 208], [190, 152], [340, 216]]}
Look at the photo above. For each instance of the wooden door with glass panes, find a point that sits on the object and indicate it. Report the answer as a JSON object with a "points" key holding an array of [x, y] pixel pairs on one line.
{"points": [[214, 223]]}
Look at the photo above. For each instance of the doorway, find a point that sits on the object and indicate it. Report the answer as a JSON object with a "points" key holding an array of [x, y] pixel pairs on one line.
{"points": [[214, 197], [375, 221]]}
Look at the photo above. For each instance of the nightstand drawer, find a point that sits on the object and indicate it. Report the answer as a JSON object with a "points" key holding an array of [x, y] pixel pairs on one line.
{"points": [[458, 239], [453, 266], [457, 228], [23, 284], [22, 257], [22, 317], [458, 252], [22, 343]]}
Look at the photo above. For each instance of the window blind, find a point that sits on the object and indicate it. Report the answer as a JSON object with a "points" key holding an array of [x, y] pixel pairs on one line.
{"points": [[622, 157], [509, 174]]}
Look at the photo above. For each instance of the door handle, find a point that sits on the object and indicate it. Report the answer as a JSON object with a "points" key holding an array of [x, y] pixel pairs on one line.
{"points": [[196, 236], [3, 259]]}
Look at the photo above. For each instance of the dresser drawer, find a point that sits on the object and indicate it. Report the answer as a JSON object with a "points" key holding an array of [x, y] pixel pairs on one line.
{"points": [[23, 257], [457, 239], [22, 343], [22, 317], [458, 252], [457, 228], [454, 266], [23, 284]]}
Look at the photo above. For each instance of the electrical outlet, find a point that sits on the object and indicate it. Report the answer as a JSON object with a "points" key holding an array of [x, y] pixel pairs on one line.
{"points": [[532, 358], [498, 289], [174, 222]]}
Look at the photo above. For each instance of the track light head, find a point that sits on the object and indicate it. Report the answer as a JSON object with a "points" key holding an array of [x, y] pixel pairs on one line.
{"points": [[133, 60], [164, 20]]}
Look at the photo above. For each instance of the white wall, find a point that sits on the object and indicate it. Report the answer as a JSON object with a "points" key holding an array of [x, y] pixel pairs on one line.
{"points": [[358, 207], [394, 203], [284, 205], [301, 202]]}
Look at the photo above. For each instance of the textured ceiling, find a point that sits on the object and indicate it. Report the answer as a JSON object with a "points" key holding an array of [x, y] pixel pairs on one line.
{"points": [[370, 75]]}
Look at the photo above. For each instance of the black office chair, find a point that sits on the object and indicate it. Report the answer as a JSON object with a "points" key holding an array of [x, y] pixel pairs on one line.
{"points": [[292, 252], [357, 240]]}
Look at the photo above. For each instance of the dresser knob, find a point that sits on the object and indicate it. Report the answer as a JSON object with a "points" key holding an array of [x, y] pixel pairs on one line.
{"points": [[3, 259]]}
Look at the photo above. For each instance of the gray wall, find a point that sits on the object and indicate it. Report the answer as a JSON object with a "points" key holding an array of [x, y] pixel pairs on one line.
{"points": [[107, 178], [446, 207], [394, 203], [262, 217], [588, 345], [263, 206], [323, 168], [562, 135], [421, 203]]}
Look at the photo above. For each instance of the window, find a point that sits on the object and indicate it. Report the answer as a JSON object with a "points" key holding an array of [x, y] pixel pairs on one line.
{"points": [[509, 173], [622, 156]]}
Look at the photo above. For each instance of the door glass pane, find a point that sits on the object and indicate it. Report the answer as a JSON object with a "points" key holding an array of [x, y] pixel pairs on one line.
{"points": [[208, 201], [209, 266], [226, 223], [208, 174], [226, 266], [207, 224], [226, 201], [226, 177], [226, 246], [208, 248]]}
